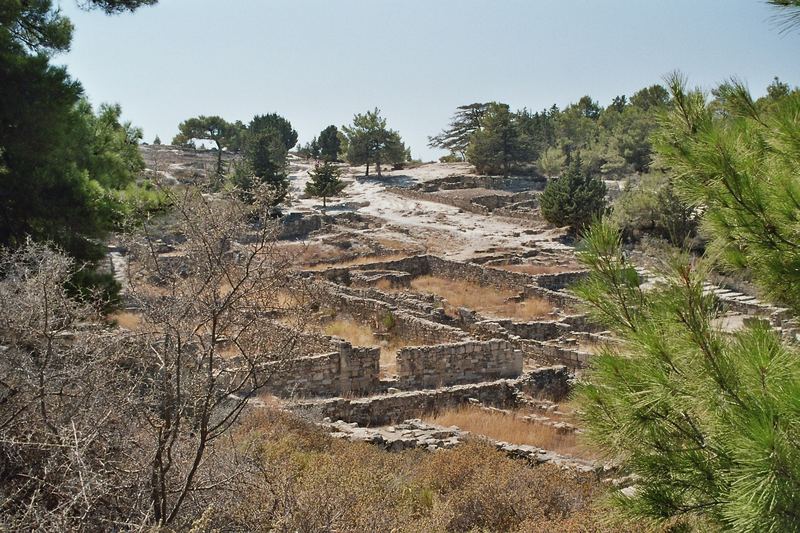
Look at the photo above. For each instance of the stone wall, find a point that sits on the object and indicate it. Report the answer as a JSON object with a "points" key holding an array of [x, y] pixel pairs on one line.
{"points": [[348, 370], [465, 204], [452, 364], [479, 275], [415, 265], [555, 353], [305, 344], [560, 299], [422, 265], [561, 280], [497, 201], [388, 408], [299, 225], [483, 182], [384, 316], [553, 383], [538, 330]]}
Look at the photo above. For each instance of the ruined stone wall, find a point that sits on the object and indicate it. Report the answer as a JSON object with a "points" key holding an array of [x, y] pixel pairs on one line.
{"points": [[538, 330], [304, 344], [560, 299], [346, 371], [483, 182], [421, 265], [386, 317], [480, 275], [555, 353], [452, 364], [464, 204], [388, 408], [552, 382], [497, 201], [561, 280], [511, 206], [415, 265], [298, 225], [407, 326]]}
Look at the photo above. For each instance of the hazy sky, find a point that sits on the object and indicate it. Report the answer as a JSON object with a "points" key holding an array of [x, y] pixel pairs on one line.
{"points": [[317, 62]]}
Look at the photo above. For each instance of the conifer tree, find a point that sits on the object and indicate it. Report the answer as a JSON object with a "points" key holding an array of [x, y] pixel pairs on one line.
{"points": [[371, 141], [707, 419], [574, 199], [465, 122], [325, 182], [215, 129], [329, 143], [499, 144]]}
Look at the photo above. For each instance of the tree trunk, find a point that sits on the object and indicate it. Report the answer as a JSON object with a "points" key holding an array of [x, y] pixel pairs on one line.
{"points": [[324, 204], [367, 174], [218, 176]]}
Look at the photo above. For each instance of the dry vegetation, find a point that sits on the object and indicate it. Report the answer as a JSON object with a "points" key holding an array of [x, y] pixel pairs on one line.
{"points": [[301, 479], [512, 428], [487, 300], [310, 253], [126, 320]]}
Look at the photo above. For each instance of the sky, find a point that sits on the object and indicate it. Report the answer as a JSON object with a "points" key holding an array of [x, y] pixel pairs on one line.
{"points": [[318, 62]]}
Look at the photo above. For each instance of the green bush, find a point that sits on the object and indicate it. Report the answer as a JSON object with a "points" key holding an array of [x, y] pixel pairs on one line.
{"points": [[574, 199], [650, 206]]}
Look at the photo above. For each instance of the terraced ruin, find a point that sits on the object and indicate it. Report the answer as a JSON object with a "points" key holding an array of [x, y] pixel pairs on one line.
{"points": [[409, 329]]}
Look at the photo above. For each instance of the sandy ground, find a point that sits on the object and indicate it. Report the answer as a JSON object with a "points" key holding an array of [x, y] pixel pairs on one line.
{"points": [[439, 228]]}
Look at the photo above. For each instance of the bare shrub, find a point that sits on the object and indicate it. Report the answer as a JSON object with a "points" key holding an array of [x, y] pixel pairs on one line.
{"points": [[62, 405], [204, 334], [108, 428]]}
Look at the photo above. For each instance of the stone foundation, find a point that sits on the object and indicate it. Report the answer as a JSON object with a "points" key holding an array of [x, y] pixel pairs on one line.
{"points": [[349, 370], [388, 408]]}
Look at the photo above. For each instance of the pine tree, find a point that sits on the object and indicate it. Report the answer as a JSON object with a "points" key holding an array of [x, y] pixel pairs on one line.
{"points": [[265, 158], [329, 143], [499, 144], [465, 122], [371, 141], [213, 128], [574, 199], [325, 182], [707, 419]]}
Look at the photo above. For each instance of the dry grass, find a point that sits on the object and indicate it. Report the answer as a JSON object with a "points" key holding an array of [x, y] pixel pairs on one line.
{"points": [[126, 320], [486, 300], [513, 429], [305, 253], [359, 334], [397, 244], [539, 269], [353, 332]]}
